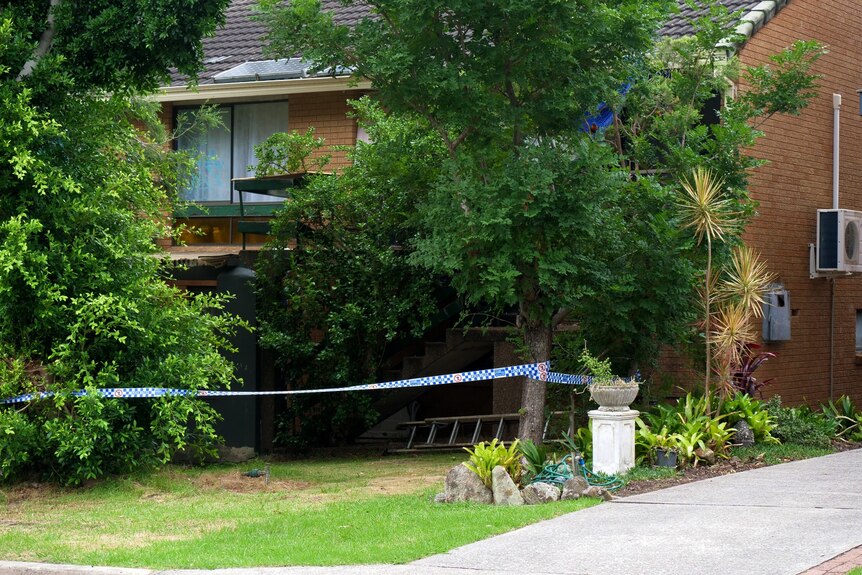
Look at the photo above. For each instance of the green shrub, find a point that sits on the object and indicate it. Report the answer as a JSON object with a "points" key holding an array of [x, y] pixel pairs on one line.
{"points": [[83, 299], [648, 440], [689, 441], [754, 412], [535, 456], [848, 421], [484, 457], [18, 444], [581, 442], [103, 437], [801, 425], [691, 424], [330, 329], [287, 152]]}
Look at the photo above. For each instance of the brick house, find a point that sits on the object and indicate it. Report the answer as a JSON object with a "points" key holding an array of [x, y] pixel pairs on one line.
{"points": [[822, 359], [821, 356], [258, 96], [255, 97]]}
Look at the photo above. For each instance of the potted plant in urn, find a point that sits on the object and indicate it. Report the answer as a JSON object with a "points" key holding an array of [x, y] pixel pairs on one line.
{"points": [[611, 392]]}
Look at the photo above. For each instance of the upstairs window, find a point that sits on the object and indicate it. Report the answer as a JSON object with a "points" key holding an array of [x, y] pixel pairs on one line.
{"points": [[226, 151]]}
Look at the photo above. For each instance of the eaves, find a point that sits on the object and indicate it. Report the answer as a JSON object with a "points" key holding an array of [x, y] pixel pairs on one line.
{"points": [[244, 91]]}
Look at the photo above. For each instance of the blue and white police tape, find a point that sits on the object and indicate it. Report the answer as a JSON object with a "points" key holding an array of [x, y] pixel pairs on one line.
{"points": [[539, 371]]}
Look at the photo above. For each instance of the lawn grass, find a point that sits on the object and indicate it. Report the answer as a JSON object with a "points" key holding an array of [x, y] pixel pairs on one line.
{"points": [[325, 511], [647, 473], [775, 454], [316, 512], [855, 571]]}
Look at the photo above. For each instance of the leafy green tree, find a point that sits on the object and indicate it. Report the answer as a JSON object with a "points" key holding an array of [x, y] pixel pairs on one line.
{"points": [[519, 210], [335, 286], [530, 210], [83, 298], [647, 303], [116, 45], [665, 130]]}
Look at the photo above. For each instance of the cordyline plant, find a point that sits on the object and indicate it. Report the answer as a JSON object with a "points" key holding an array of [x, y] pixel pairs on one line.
{"points": [[740, 300], [734, 297], [704, 208], [742, 378]]}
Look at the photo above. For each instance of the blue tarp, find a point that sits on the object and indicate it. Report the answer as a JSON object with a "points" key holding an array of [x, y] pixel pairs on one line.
{"points": [[604, 117]]}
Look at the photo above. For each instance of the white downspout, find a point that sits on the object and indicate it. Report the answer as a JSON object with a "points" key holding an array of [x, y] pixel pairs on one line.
{"points": [[836, 146]]}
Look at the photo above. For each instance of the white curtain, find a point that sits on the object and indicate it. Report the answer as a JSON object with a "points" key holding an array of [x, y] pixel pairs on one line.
{"points": [[253, 123], [211, 183]]}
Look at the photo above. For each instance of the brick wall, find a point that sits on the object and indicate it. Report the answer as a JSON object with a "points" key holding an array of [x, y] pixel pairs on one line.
{"points": [[796, 182], [327, 112]]}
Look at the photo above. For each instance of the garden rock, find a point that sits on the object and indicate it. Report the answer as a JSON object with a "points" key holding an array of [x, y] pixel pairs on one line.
{"points": [[705, 454], [536, 493], [573, 488], [440, 498], [464, 485], [744, 435], [596, 491], [504, 489]]}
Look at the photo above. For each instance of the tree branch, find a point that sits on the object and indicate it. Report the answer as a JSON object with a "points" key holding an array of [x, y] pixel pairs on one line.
{"points": [[45, 42], [559, 317], [461, 137]]}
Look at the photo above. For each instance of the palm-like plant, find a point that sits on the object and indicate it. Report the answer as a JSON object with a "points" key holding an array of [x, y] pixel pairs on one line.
{"points": [[747, 280], [741, 297], [731, 332], [704, 208]]}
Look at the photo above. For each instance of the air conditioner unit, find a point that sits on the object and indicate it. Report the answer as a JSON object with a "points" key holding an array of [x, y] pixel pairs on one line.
{"points": [[839, 241]]}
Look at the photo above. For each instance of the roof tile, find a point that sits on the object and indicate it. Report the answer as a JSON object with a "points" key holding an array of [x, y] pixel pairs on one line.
{"points": [[681, 24], [241, 39]]}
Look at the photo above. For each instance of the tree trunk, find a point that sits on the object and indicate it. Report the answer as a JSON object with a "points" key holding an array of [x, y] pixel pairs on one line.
{"points": [[538, 340], [44, 45]]}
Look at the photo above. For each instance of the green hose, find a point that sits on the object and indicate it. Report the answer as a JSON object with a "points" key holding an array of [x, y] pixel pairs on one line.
{"points": [[559, 473]]}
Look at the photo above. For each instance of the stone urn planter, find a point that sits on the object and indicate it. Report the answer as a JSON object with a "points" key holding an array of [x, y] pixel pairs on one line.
{"points": [[614, 395]]}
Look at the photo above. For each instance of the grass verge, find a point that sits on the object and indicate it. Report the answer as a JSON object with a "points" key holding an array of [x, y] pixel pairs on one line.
{"points": [[328, 512], [648, 473], [775, 454]]}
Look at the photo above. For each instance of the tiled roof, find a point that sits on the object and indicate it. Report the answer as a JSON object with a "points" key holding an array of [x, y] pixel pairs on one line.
{"points": [[680, 24], [241, 39]]}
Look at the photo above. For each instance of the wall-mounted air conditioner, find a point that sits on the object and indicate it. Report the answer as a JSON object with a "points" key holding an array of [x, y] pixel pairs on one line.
{"points": [[839, 241]]}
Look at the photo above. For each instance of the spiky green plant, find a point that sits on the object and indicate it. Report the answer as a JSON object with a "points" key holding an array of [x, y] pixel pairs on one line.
{"points": [[746, 280], [740, 297], [484, 457], [704, 208], [732, 330]]}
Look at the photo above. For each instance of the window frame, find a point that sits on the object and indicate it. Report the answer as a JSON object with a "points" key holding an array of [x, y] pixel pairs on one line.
{"points": [[233, 194]]}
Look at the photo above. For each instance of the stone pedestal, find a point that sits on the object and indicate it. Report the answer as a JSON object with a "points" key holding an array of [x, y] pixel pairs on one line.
{"points": [[613, 440]]}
